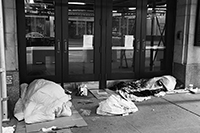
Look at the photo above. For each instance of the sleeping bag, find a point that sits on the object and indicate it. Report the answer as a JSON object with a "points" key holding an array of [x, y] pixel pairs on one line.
{"points": [[42, 100]]}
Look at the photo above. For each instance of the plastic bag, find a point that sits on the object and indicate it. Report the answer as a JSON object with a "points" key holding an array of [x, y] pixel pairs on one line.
{"points": [[115, 105]]}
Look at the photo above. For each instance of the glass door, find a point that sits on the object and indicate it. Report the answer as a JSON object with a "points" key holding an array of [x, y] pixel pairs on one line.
{"points": [[80, 36], [123, 39], [157, 36], [60, 40], [94, 40], [39, 39], [139, 38]]}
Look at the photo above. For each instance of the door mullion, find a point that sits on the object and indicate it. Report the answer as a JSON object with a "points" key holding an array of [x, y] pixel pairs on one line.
{"points": [[143, 36], [58, 43], [137, 50], [97, 39], [102, 82], [65, 50], [108, 43]]}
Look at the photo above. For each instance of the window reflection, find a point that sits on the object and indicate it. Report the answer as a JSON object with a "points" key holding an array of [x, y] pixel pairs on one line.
{"points": [[155, 35], [123, 36], [40, 38], [81, 34]]}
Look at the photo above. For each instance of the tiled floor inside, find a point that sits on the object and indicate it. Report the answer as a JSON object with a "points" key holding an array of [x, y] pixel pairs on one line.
{"points": [[173, 113]]}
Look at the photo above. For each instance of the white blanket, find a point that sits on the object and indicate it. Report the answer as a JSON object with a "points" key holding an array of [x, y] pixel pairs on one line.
{"points": [[115, 105], [42, 100]]}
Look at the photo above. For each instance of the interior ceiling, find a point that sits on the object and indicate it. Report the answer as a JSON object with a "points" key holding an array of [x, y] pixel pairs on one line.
{"points": [[125, 3], [119, 5]]}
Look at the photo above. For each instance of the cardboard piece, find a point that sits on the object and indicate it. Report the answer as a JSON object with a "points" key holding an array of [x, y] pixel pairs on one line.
{"points": [[61, 122], [99, 94]]}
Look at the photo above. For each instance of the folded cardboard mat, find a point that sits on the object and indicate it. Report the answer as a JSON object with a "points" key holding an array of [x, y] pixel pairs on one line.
{"points": [[75, 120]]}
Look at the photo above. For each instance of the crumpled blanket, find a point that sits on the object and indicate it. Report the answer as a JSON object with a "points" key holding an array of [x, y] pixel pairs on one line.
{"points": [[10, 129], [42, 100], [142, 89], [116, 105]]}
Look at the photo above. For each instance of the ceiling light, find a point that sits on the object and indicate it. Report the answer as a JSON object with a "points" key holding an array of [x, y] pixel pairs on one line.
{"points": [[76, 3], [150, 9], [31, 1], [132, 8]]}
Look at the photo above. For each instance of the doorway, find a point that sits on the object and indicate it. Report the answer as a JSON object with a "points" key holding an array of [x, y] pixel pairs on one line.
{"points": [[94, 40]]}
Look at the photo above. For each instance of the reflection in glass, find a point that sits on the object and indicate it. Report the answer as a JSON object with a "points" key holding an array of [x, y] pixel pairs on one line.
{"points": [[155, 36], [81, 31], [123, 31], [40, 38]]}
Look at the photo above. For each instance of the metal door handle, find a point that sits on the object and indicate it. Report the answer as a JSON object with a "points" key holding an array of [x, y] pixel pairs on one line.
{"points": [[143, 44], [58, 50], [65, 46], [137, 45], [39, 63]]}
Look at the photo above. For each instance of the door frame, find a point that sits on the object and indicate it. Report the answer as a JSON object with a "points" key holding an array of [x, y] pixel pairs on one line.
{"points": [[22, 53], [169, 40], [140, 38], [61, 46], [95, 76], [102, 44], [136, 60]]}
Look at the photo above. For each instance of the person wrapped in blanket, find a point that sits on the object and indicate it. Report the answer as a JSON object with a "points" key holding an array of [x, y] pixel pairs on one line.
{"points": [[143, 89]]}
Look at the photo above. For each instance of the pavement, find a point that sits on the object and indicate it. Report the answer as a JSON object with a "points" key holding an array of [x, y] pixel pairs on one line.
{"points": [[172, 113]]}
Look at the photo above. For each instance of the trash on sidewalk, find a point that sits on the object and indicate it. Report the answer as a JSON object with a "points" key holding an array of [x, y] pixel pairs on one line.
{"points": [[53, 129], [85, 112], [9, 129], [99, 94], [83, 102], [191, 86], [82, 90], [194, 90], [50, 129], [160, 94]]}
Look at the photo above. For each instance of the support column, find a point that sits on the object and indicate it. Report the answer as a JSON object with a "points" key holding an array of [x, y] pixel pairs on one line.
{"points": [[3, 87], [186, 55]]}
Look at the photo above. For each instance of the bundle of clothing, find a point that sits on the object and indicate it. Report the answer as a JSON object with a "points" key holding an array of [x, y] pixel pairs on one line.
{"points": [[143, 89], [42, 100], [128, 92], [116, 105]]}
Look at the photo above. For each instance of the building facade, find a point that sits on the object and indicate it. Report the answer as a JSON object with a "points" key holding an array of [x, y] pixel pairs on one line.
{"points": [[184, 53]]}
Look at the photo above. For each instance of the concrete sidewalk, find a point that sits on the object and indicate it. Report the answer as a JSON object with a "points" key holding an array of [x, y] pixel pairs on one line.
{"points": [[175, 113]]}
